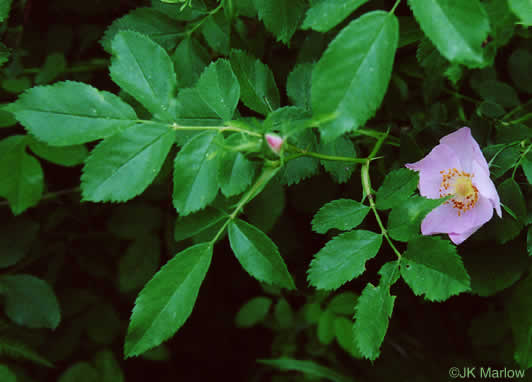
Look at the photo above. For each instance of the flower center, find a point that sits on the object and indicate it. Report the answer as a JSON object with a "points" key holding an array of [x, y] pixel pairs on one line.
{"points": [[459, 184]]}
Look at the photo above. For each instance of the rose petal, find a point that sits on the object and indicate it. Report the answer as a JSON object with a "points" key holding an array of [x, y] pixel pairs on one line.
{"points": [[459, 238], [466, 148], [445, 219], [485, 186], [482, 213], [274, 142], [441, 158]]}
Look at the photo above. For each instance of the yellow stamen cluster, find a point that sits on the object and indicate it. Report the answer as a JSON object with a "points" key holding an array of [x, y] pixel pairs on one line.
{"points": [[459, 184]]}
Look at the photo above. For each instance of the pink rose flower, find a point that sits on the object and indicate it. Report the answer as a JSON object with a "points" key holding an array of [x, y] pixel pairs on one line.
{"points": [[457, 167], [274, 142]]}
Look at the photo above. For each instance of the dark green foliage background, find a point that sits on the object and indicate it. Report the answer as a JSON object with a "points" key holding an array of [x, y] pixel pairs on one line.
{"points": [[97, 252]]}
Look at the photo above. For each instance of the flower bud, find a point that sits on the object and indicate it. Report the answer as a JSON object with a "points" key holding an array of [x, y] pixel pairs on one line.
{"points": [[275, 142]]}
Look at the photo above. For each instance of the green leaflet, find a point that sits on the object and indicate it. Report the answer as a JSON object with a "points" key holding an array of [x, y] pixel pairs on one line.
{"points": [[108, 367], [64, 155], [373, 311], [258, 89], [312, 312], [69, 113], [80, 371], [139, 263], [409, 31], [492, 273], [22, 176], [306, 367], [7, 119], [343, 147], [236, 173], [30, 301], [19, 351], [103, 324], [258, 255], [191, 107], [456, 28], [253, 312], [7, 375], [343, 258], [190, 225], [326, 327], [431, 266], [326, 14], [520, 317], [125, 224], [190, 58], [218, 87], [298, 85], [351, 78], [499, 93], [396, 188], [280, 17], [523, 9], [196, 173], [148, 21], [343, 329], [301, 168], [529, 241], [16, 238], [53, 66], [514, 212], [342, 214], [124, 165], [404, 222], [5, 7], [144, 70], [518, 65], [284, 315], [166, 301], [217, 32], [501, 158], [343, 303], [291, 121], [16, 85], [513, 198], [271, 199]]}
